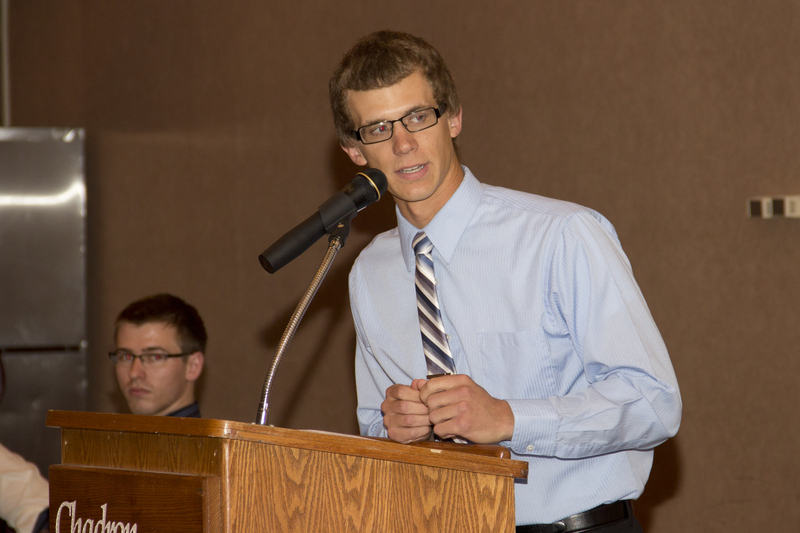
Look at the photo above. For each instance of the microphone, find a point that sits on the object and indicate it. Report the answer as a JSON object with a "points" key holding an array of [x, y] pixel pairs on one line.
{"points": [[365, 189]]}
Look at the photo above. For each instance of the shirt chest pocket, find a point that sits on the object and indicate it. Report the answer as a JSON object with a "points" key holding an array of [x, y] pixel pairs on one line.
{"points": [[515, 365]]}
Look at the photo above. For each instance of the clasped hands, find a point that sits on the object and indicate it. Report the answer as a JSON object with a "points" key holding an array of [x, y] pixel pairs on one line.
{"points": [[455, 406]]}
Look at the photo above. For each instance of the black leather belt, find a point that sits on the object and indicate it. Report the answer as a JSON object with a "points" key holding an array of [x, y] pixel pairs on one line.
{"points": [[602, 515]]}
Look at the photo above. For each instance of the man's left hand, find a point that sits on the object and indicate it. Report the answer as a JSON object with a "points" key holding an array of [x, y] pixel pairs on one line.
{"points": [[459, 407]]}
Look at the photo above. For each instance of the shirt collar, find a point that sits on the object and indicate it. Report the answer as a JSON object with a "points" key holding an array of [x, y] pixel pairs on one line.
{"points": [[190, 411], [446, 228]]}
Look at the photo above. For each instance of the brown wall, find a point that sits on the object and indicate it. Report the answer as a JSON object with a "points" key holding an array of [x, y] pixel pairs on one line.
{"points": [[209, 135]]}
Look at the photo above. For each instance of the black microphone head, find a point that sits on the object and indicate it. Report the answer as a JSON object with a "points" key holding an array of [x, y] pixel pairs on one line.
{"points": [[377, 178], [367, 187]]}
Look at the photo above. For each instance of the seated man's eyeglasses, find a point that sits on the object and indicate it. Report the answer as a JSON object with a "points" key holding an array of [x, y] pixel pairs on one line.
{"points": [[126, 358], [415, 121]]}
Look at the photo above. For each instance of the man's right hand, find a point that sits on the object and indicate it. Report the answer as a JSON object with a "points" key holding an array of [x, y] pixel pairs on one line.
{"points": [[404, 415]]}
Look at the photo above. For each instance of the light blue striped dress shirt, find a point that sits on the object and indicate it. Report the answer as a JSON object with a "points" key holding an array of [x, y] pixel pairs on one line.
{"points": [[542, 310]]}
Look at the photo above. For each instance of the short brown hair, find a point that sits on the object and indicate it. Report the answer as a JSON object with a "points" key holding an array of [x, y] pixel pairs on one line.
{"points": [[172, 311], [382, 59]]}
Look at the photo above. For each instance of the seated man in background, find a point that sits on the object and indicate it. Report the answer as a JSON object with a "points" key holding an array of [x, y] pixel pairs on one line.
{"points": [[160, 344]]}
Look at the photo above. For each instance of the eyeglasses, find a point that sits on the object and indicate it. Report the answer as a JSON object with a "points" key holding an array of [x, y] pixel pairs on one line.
{"points": [[150, 359], [415, 121]]}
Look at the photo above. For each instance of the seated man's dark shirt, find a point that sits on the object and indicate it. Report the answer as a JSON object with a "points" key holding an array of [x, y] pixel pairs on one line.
{"points": [[190, 411]]}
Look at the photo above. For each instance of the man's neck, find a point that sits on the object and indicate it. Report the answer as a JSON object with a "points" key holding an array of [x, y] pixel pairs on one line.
{"points": [[422, 212]]}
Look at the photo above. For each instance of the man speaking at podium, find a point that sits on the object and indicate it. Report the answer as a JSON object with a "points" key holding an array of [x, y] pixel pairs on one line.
{"points": [[495, 316], [160, 345]]}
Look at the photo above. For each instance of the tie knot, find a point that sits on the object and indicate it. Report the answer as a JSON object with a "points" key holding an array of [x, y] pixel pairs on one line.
{"points": [[422, 244]]}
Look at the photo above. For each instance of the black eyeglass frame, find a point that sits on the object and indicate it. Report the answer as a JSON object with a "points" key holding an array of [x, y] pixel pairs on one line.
{"points": [[441, 110], [112, 356]]}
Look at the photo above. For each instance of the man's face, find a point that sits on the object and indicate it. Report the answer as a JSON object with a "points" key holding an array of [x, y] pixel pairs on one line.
{"points": [[156, 390], [422, 167]]}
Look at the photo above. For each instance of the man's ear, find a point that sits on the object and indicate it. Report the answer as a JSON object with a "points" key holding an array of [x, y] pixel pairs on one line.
{"points": [[355, 154], [454, 124], [194, 366]]}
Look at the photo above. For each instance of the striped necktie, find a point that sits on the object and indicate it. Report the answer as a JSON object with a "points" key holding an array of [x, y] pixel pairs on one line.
{"points": [[434, 339]]}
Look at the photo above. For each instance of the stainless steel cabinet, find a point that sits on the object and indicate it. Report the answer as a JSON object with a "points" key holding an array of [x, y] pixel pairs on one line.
{"points": [[42, 285]]}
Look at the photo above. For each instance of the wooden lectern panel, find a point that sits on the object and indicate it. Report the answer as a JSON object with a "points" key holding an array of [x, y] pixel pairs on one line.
{"points": [[306, 490], [274, 479], [100, 499], [140, 451]]}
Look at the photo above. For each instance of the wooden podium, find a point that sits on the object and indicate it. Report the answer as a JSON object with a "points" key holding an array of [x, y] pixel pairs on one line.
{"points": [[128, 473]]}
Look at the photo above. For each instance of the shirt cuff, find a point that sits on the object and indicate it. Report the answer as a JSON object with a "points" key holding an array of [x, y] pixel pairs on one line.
{"points": [[535, 427]]}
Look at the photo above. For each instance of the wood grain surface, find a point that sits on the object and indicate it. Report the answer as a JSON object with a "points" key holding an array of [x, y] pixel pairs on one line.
{"points": [[164, 502], [274, 479]]}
